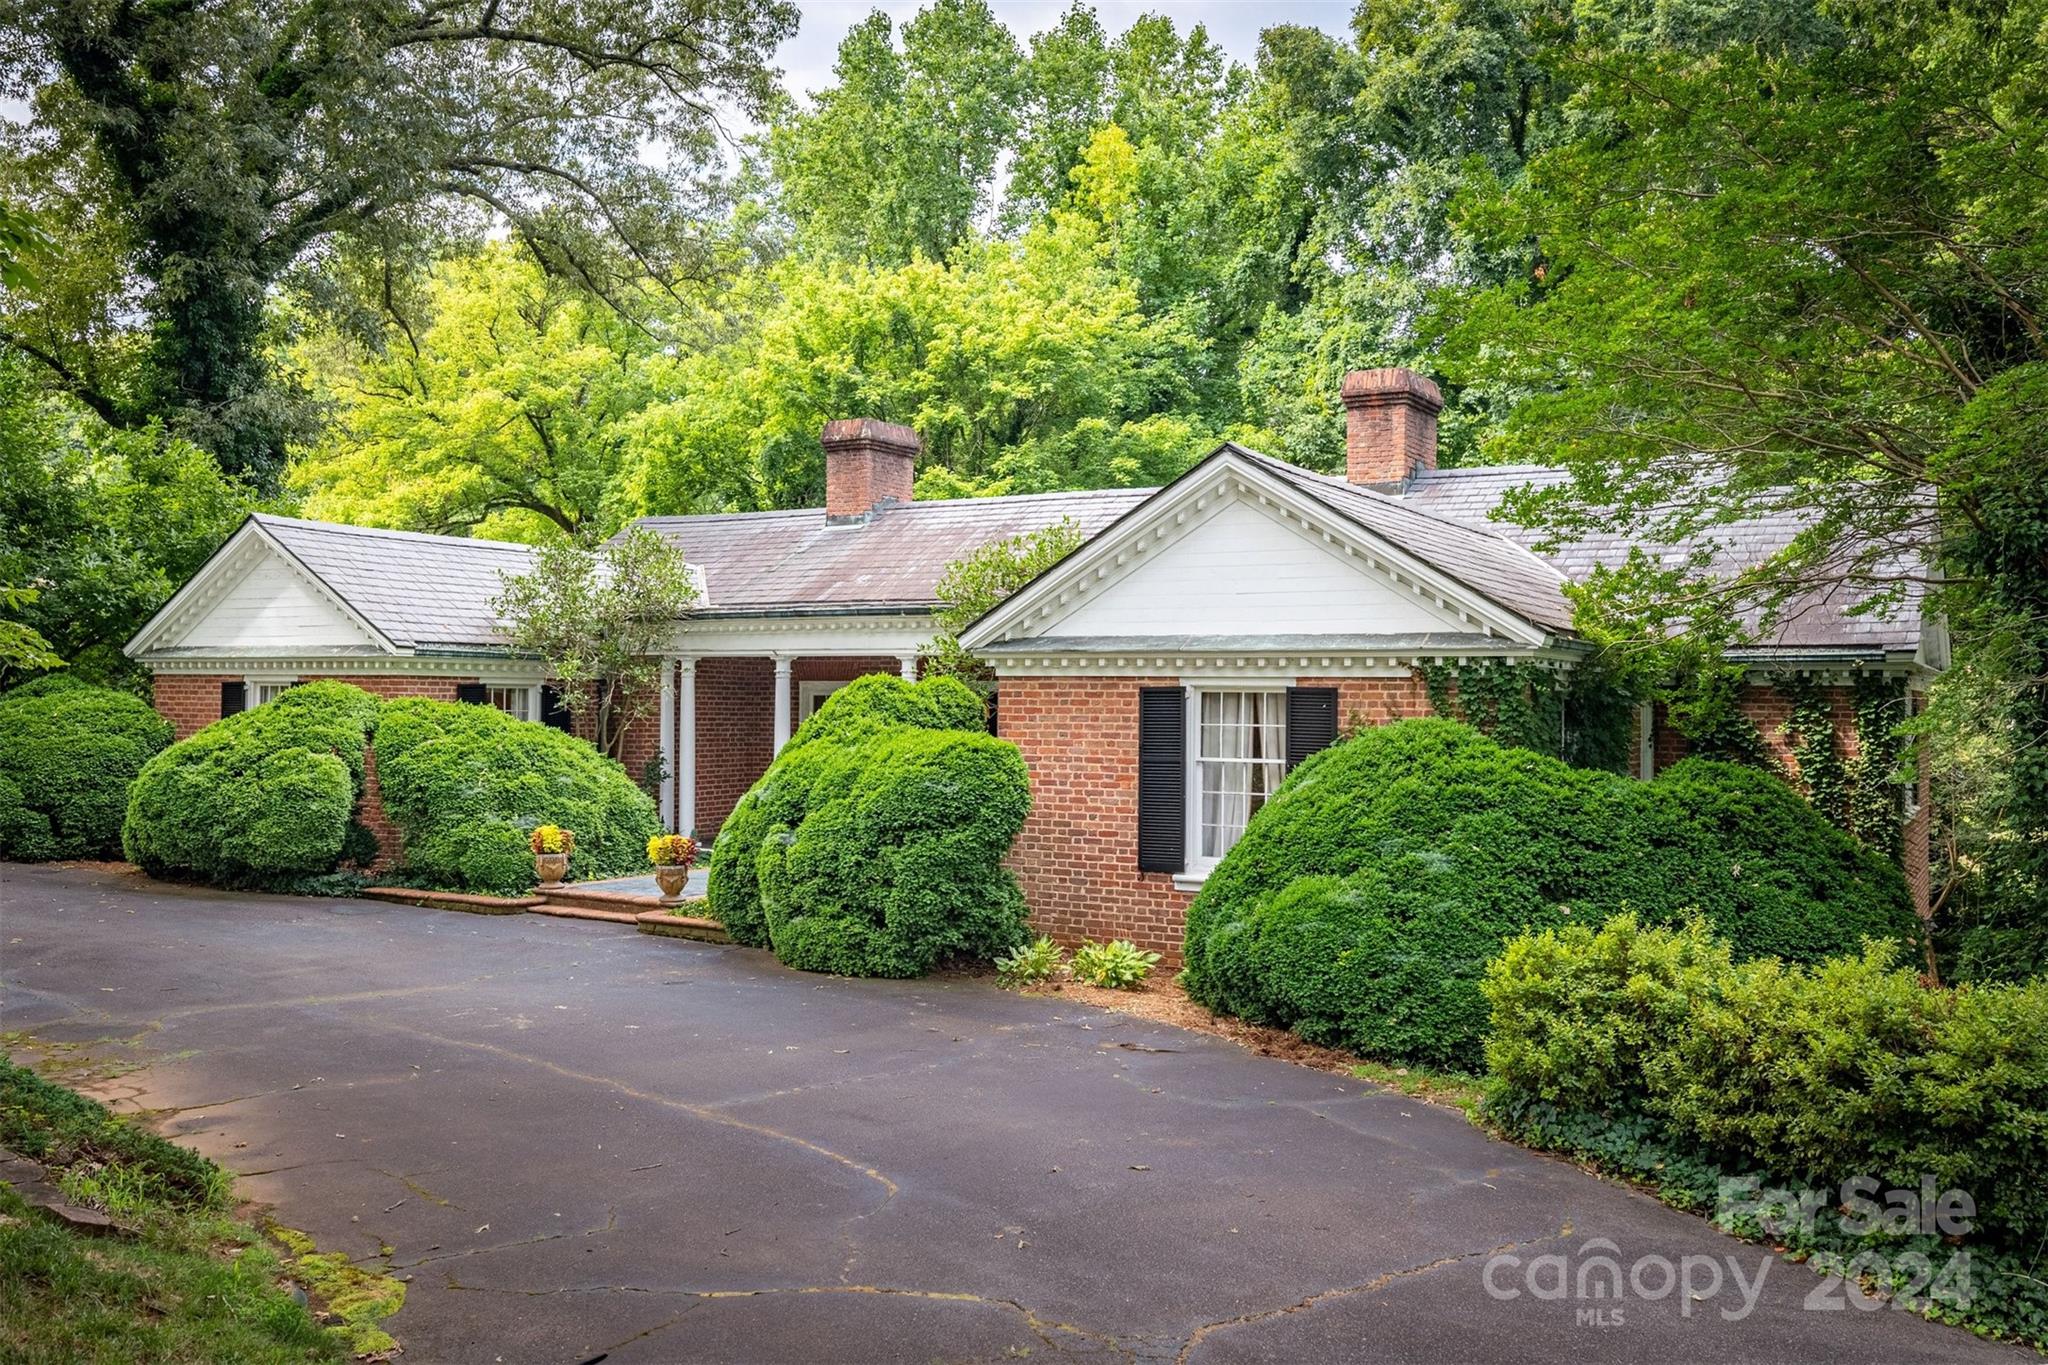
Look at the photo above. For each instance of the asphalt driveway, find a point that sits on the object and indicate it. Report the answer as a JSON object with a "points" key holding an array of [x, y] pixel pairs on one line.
{"points": [[580, 1141]]}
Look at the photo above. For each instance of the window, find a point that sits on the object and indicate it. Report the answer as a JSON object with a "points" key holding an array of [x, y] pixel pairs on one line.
{"points": [[516, 702], [811, 695], [262, 692], [1240, 752]]}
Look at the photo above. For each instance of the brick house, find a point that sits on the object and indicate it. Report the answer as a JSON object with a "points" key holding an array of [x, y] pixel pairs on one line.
{"points": [[1160, 680]]}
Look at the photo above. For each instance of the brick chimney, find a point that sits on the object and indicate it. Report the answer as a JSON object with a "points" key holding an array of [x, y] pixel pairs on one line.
{"points": [[1389, 427], [867, 463]]}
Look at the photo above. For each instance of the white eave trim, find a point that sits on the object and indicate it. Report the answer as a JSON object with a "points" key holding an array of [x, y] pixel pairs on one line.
{"points": [[1265, 666], [1160, 521], [222, 570]]}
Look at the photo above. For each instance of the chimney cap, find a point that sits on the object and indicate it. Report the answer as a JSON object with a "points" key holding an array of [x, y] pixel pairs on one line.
{"points": [[858, 430], [1391, 384]]}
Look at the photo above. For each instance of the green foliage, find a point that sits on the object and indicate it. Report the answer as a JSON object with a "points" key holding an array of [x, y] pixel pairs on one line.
{"points": [[1367, 895], [1030, 963], [1657, 1044], [262, 798], [60, 1129], [68, 753], [1118, 965], [498, 402], [1585, 716], [466, 786], [1811, 730], [201, 162], [873, 844], [600, 620], [972, 586]]}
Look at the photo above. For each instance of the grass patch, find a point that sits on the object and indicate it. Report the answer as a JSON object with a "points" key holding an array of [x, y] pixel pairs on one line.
{"points": [[192, 1284], [1457, 1089]]}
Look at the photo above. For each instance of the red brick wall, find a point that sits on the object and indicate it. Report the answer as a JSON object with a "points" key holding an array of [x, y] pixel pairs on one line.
{"points": [[189, 701], [735, 734], [1077, 857]]}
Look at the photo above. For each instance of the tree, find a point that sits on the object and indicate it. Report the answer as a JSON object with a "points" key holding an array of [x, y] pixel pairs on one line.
{"points": [[896, 159], [1800, 270], [600, 620], [207, 152], [971, 587], [22, 648], [498, 406]]}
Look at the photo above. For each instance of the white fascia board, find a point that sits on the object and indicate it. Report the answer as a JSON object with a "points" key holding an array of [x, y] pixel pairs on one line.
{"points": [[1179, 508], [760, 636], [504, 671]]}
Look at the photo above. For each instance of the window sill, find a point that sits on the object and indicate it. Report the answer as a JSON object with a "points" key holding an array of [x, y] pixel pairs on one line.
{"points": [[1189, 881]]}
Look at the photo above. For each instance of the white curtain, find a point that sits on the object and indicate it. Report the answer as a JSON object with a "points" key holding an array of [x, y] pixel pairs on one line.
{"points": [[1243, 754]]}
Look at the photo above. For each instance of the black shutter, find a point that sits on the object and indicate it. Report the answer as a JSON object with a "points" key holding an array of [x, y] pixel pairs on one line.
{"points": [[992, 729], [552, 712], [475, 694], [1311, 722], [234, 697], [1162, 779]]}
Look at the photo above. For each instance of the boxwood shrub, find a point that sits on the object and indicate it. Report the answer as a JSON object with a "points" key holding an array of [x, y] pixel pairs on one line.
{"points": [[465, 785], [873, 844], [1661, 1054], [260, 799], [1364, 900], [68, 752]]}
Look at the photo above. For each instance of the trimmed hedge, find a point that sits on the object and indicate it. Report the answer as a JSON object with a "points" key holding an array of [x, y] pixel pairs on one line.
{"points": [[1364, 900], [259, 799], [68, 752], [873, 845], [465, 785], [1657, 1052]]}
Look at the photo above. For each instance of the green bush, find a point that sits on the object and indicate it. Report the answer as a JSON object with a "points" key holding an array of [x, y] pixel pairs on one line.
{"points": [[465, 786], [263, 798], [68, 753], [1118, 965], [873, 844], [1657, 1049], [1364, 900]]}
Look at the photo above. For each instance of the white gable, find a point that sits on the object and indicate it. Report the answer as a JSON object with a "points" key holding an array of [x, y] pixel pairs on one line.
{"points": [[272, 608], [1244, 571]]}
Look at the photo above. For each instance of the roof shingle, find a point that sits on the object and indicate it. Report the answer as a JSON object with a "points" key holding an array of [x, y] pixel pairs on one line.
{"points": [[420, 590]]}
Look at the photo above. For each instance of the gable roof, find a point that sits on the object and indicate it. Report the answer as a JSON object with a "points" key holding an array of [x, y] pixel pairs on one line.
{"points": [[1822, 619], [413, 592], [785, 563]]}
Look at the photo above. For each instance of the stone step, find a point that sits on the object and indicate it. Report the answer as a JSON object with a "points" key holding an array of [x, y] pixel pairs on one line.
{"points": [[670, 925]]}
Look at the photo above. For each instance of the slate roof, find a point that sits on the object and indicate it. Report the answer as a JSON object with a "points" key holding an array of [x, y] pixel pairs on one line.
{"points": [[757, 563], [420, 590], [1820, 620]]}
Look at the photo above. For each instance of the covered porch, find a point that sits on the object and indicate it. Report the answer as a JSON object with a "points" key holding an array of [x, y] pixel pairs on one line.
{"points": [[735, 690]]}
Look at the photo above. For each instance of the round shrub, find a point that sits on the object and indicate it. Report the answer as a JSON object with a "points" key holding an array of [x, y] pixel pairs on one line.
{"points": [[873, 845], [1365, 899], [68, 752], [258, 799], [466, 785]]}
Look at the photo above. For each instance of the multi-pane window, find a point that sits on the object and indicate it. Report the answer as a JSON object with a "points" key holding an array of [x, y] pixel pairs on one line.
{"points": [[516, 702], [1240, 757], [270, 691]]}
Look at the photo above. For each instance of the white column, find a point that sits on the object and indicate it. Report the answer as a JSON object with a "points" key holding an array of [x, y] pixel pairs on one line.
{"points": [[781, 701], [668, 741], [686, 754], [909, 662]]}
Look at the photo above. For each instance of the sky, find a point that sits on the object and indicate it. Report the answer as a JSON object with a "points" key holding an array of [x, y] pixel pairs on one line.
{"points": [[1234, 25]]}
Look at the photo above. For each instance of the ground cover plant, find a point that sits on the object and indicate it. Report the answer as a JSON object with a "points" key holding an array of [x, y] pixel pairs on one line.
{"points": [[189, 1284], [1366, 897], [1660, 1055], [261, 799], [1118, 965], [68, 753], [467, 785], [873, 844]]}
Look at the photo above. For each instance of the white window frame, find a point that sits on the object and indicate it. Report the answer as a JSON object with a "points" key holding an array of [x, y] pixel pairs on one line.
{"points": [[1198, 867], [811, 695], [256, 683], [529, 694]]}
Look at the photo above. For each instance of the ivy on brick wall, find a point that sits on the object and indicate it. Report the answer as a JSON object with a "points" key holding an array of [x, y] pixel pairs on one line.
{"points": [[1811, 733], [1583, 716], [1876, 802], [1704, 704]]}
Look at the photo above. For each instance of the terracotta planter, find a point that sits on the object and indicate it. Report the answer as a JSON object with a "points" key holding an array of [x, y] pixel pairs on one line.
{"points": [[551, 868], [671, 878]]}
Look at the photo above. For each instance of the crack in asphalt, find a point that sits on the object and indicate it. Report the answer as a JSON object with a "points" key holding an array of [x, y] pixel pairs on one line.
{"points": [[610, 1224], [1202, 1333]]}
